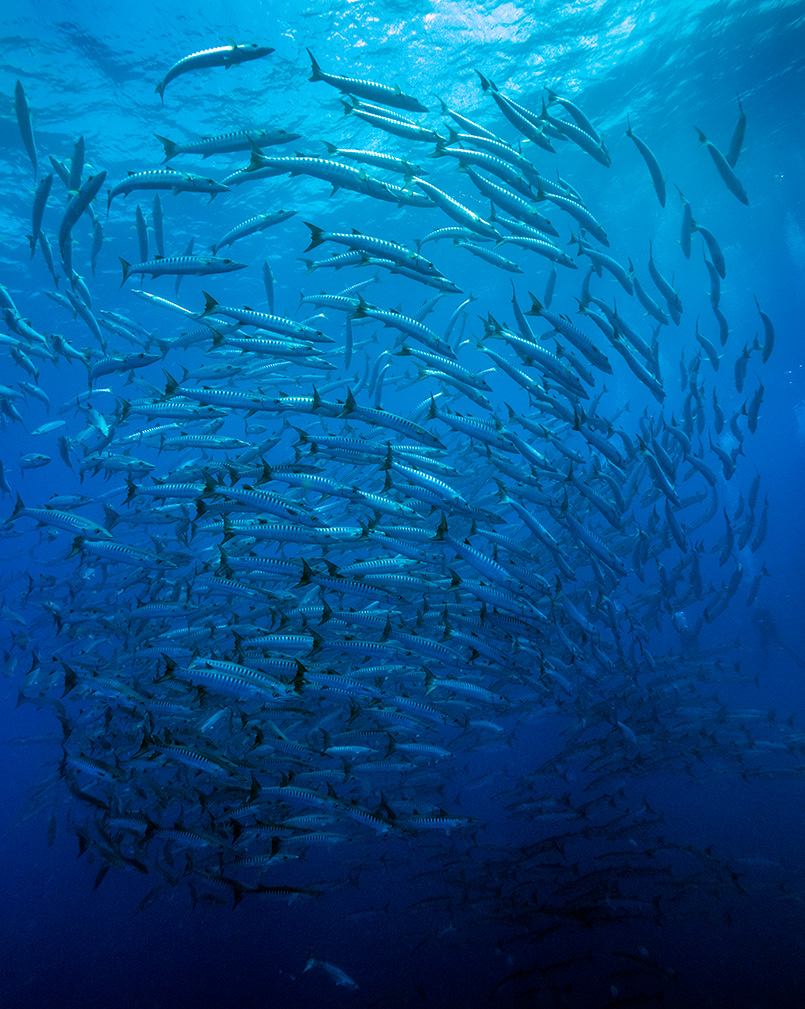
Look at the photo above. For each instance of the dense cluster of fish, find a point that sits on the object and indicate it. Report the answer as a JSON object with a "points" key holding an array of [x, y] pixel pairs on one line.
{"points": [[330, 559]]}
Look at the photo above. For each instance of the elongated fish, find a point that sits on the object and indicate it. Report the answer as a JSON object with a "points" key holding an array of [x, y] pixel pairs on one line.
{"points": [[251, 227], [384, 94], [226, 143], [731, 180], [226, 56], [77, 205], [167, 179], [737, 139], [23, 113], [657, 178], [186, 266], [307, 604]]}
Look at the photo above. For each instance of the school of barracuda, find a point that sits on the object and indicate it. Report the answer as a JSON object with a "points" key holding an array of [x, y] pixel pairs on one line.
{"points": [[292, 610]]}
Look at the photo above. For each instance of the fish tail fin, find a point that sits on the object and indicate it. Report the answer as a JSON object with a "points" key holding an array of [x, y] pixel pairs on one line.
{"points": [[145, 745], [441, 144], [536, 305], [315, 75], [361, 309], [126, 269], [170, 147], [304, 437], [19, 508], [77, 547], [70, 678], [210, 304], [349, 405], [111, 517], [307, 574], [257, 159], [315, 235]]}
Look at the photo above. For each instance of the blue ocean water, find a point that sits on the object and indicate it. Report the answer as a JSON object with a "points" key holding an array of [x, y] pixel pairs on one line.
{"points": [[458, 918]]}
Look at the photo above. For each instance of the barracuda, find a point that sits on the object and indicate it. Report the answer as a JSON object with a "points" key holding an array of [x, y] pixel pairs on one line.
{"points": [[38, 209], [518, 116], [579, 340], [165, 179], [599, 260], [226, 143], [252, 227], [336, 173], [317, 606], [591, 144], [113, 551], [377, 158], [577, 114], [112, 365], [395, 125], [713, 248], [25, 124], [410, 327], [577, 211], [724, 169], [268, 502], [181, 266], [463, 215], [226, 56], [542, 248], [497, 156], [373, 246], [382, 93], [594, 544], [535, 354], [522, 208], [77, 206], [657, 177], [78, 525], [194, 759]]}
